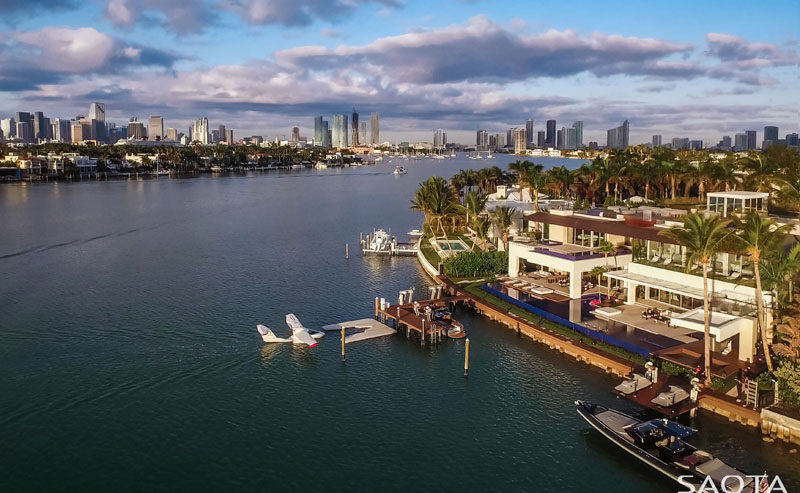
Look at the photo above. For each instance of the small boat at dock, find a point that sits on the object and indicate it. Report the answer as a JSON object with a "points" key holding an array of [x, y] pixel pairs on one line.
{"points": [[660, 444], [399, 170]]}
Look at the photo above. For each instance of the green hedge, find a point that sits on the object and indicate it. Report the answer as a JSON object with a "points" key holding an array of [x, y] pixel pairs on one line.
{"points": [[466, 264]]}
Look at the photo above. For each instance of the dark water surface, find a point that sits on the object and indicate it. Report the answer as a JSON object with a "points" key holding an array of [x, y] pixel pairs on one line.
{"points": [[130, 359]]}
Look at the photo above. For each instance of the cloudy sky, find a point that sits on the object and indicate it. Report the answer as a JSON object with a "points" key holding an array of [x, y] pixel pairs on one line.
{"points": [[697, 69]]}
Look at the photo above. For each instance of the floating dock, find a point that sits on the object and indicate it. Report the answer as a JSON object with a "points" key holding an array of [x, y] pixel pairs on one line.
{"points": [[366, 328]]}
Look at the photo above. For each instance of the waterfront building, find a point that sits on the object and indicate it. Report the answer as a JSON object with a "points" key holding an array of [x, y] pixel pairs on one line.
{"points": [[680, 143], [618, 138], [172, 134], [646, 271], [135, 129], [62, 130], [696, 145], [155, 128], [339, 131], [540, 138], [354, 120], [482, 140], [363, 134], [439, 139], [520, 141], [550, 137], [656, 140], [751, 139], [529, 133], [77, 131], [578, 127], [499, 142], [318, 131], [24, 131], [223, 134], [375, 130]]}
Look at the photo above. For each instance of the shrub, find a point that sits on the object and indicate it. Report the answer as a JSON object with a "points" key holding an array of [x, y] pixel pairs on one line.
{"points": [[672, 369], [467, 264], [788, 376]]}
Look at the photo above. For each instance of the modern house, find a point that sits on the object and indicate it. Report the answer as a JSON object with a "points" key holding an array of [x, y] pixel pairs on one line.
{"points": [[656, 299]]}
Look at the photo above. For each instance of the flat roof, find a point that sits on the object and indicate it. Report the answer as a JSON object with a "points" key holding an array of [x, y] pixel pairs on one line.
{"points": [[741, 194], [568, 248], [653, 282], [619, 228]]}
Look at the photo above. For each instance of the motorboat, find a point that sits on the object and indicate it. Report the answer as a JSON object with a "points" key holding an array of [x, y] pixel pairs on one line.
{"points": [[456, 330], [300, 334], [660, 444], [443, 318], [415, 232], [633, 384], [671, 396], [399, 170]]}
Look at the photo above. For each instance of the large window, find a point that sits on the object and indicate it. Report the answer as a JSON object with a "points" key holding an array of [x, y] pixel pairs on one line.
{"points": [[587, 238]]}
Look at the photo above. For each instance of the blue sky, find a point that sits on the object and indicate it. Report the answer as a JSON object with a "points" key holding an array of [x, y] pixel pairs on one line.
{"points": [[694, 69]]}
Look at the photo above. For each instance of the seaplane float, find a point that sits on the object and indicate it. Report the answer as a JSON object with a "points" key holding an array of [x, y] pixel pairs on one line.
{"points": [[300, 334]]}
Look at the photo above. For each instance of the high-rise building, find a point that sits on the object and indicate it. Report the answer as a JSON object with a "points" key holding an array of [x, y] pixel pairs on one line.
{"points": [[550, 137], [680, 143], [374, 129], [24, 131], [295, 134], [199, 131], [76, 131], [656, 140], [561, 138], [97, 111], [223, 134], [172, 134], [499, 141], [215, 139], [529, 132], [356, 139], [327, 139], [578, 127], [571, 138], [339, 131], [770, 136], [318, 131], [9, 127], [740, 142], [61, 130], [792, 139], [725, 144], [520, 141], [155, 128], [618, 138], [439, 139], [696, 145], [482, 140], [363, 134], [41, 126], [135, 129], [751, 139], [229, 136], [540, 138], [510, 136]]}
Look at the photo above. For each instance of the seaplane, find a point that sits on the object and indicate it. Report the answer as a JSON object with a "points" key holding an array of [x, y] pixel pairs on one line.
{"points": [[300, 334]]}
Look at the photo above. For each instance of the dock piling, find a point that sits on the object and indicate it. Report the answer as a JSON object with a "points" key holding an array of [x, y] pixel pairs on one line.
{"points": [[466, 358], [347, 250], [342, 343]]}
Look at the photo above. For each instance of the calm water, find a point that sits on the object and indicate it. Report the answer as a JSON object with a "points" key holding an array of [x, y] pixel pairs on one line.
{"points": [[130, 359]]}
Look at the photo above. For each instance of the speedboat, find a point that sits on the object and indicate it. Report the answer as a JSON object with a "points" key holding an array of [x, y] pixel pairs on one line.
{"points": [[300, 334], [399, 170], [636, 383], [415, 232], [380, 241], [443, 318], [660, 444]]}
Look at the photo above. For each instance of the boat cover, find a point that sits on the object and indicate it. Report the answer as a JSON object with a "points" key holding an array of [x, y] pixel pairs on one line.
{"points": [[718, 470]]}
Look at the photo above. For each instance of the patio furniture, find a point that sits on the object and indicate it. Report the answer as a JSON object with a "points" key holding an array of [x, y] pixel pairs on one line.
{"points": [[735, 275], [668, 261], [655, 258]]}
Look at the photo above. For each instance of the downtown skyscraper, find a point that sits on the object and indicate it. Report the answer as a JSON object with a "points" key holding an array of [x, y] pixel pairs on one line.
{"points": [[339, 131], [375, 130], [618, 138], [550, 135], [356, 139]]}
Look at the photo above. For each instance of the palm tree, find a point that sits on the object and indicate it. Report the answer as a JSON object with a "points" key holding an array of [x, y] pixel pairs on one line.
{"points": [[759, 237], [560, 181], [606, 248], [482, 231], [598, 271], [703, 237], [777, 272], [536, 181], [503, 217], [434, 198], [474, 204]]}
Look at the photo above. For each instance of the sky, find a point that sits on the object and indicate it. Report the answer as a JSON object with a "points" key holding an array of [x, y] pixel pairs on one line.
{"points": [[698, 69]]}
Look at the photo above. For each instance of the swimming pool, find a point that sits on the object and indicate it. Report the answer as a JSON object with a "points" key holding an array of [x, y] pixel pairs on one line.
{"points": [[454, 245]]}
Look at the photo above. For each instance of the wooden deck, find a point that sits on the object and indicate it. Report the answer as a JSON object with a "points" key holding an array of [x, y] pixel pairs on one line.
{"points": [[404, 319], [645, 396]]}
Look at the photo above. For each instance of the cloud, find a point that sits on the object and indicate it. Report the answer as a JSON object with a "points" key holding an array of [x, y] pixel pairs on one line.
{"points": [[296, 12], [747, 54], [179, 16], [11, 10], [482, 50], [331, 33], [52, 54]]}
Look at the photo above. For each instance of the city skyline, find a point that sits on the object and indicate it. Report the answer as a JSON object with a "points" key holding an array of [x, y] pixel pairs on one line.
{"points": [[705, 79]]}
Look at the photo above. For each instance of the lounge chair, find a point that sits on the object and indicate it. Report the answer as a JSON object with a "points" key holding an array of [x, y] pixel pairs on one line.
{"points": [[655, 259], [671, 396], [735, 275], [668, 261]]}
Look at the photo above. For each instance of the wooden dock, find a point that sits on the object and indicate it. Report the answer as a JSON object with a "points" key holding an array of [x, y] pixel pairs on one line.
{"points": [[404, 318]]}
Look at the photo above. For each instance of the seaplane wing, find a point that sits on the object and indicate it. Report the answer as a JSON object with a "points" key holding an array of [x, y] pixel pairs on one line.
{"points": [[293, 322], [268, 336], [301, 336]]}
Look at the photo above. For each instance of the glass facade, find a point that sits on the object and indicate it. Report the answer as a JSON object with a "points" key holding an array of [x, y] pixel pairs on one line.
{"points": [[724, 206]]}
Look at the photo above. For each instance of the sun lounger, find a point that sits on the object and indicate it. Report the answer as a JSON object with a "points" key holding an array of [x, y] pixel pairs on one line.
{"points": [[656, 258], [735, 275], [668, 261]]}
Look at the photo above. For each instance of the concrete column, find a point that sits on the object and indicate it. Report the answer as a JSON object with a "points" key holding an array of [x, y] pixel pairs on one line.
{"points": [[513, 261], [631, 293], [575, 284]]}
